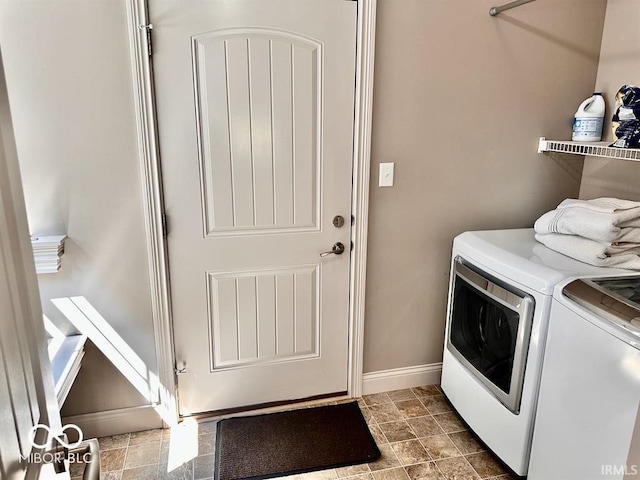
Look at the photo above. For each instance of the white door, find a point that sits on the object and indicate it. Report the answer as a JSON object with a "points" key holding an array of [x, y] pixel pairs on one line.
{"points": [[26, 384], [255, 106]]}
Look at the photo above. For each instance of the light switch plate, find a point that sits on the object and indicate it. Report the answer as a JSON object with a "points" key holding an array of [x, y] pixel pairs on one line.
{"points": [[386, 175]]}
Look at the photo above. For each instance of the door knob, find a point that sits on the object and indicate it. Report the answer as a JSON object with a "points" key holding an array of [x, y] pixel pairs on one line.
{"points": [[337, 249]]}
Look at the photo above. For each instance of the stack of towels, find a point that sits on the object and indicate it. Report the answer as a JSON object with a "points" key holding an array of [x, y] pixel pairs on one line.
{"points": [[604, 232]]}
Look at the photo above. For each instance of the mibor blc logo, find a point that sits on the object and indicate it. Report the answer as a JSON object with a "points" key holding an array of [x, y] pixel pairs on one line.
{"points": [[52, 439]]}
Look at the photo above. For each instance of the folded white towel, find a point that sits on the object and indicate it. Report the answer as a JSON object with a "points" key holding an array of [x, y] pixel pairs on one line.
{"points": [[603, 204], [603, 219], [624, 255]]}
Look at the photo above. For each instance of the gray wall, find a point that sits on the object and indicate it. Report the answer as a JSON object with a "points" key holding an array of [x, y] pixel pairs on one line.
{"points": [[69, 80], [460, 101], [619, 64]]}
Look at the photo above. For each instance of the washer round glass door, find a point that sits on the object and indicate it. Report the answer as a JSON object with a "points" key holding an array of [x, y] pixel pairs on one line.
{"points": [[489, 327]]}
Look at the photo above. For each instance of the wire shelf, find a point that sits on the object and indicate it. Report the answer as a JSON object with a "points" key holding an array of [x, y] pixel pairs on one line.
{"points": [[594, 149]]}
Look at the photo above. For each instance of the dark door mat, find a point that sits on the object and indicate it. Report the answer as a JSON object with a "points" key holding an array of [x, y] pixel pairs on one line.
{"points": [[297, 441]]}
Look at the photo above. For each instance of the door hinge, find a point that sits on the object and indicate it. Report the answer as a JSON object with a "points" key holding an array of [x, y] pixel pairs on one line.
{"points": [[351, 249], [148, 27], [164, 225], [180, 368]]}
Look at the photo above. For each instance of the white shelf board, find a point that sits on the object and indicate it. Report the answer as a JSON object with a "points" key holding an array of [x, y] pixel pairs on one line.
{"points": [[66, 363], [594, 149]]}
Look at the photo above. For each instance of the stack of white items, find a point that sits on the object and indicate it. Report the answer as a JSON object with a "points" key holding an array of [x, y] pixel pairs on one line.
{"points": [[47, 253], [604, 232]]}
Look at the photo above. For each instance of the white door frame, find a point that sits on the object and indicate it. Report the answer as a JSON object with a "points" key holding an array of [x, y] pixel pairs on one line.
{"points": [[147, 133]]}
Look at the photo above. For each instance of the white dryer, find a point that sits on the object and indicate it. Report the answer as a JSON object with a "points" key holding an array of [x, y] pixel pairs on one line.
{"points": [[500, 296]]}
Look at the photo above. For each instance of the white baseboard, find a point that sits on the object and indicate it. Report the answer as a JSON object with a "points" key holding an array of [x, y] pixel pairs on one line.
{"points": [[115, 422], [399, 378]]}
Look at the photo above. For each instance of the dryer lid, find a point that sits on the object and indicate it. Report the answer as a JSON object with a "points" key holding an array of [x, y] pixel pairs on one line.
{"points": [[614, 300]]}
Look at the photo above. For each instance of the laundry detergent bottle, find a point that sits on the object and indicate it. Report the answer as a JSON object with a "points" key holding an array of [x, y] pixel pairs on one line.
{"points": [[588, 121]]}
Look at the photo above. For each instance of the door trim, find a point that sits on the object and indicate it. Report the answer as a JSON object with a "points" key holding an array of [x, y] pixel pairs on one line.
{"points": [[151, 178], [365, 53], [153, 206]]}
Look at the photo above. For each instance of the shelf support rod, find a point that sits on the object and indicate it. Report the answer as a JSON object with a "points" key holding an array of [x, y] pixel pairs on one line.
{"points": [[496, 10]]}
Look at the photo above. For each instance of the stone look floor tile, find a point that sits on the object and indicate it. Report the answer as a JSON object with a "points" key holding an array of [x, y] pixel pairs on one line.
{"points": [[146, 436], [141, 455], [445, 449], [363, 476], [450, 422], [207, 426], [329, 474], [397, 431], [183, 472], [148, 472], [391, 474], [426, 390], [424, 471], [376, 399], [368, 416], [110, 475], [439, 446], [466, 442], [206, 443], [164, 461], [485, 465], [203, 466], [116, 441], [377, 435], [411, 408], [424, 426], [386, 412], [112, 460], [410, 452], [436, 404], [353, 470], [387, 459], [457, 468], [400, 395]]}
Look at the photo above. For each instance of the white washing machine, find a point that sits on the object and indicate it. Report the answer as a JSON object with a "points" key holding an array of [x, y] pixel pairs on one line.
{"points": [[587, 424], [500, 297]]}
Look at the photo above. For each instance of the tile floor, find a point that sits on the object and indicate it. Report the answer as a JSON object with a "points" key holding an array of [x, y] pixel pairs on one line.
{"points": [[419, 436]]}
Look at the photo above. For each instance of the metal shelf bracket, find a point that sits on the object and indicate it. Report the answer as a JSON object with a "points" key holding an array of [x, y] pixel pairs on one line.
{"points": [[496, 10]]}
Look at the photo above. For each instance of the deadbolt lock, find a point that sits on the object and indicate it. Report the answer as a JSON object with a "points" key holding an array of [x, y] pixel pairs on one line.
{"points": [[338, 221]]}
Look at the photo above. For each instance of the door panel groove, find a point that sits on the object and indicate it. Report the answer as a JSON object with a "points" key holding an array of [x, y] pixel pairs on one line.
{"points": [[233, 191], [251, 129], [273, 151], [295, 312], [276, 311], [293, 136]]}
